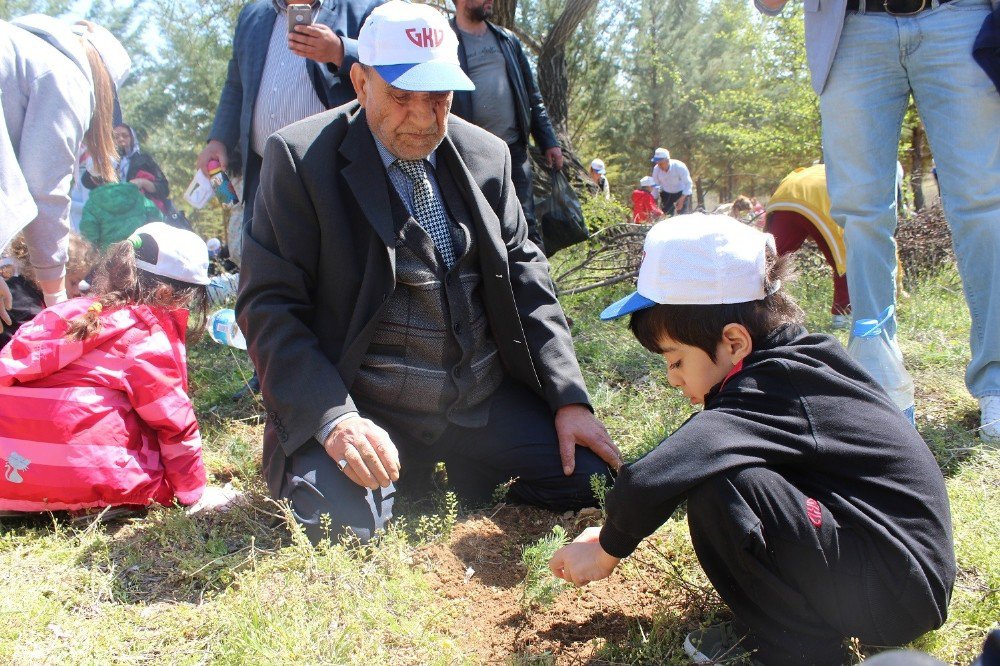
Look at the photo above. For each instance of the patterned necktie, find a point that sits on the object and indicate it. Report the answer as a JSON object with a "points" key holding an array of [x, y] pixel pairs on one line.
{"points": [[428, 209]]}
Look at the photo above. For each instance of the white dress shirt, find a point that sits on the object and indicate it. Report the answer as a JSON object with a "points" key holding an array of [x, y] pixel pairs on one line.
{"points": [[677, 179]]}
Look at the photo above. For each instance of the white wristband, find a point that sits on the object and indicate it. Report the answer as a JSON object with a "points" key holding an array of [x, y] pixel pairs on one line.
{"points": [[52, 299]]}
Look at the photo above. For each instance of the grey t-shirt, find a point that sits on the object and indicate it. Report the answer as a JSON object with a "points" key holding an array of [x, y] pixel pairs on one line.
{"points": [[492, 100]]}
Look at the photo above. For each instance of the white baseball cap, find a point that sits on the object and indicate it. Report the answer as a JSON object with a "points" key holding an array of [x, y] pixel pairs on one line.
{"points": [[647, 181], [598, 166], [112, 52], [660, 154], [699, 259], [170, 252], [412, 47]]}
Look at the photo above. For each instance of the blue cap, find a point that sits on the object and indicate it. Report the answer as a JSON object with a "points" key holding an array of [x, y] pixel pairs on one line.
{"points": [[627, 305]]}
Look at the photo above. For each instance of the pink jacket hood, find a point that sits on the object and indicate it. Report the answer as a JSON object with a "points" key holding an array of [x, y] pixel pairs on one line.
{"points": [[41, 347]]}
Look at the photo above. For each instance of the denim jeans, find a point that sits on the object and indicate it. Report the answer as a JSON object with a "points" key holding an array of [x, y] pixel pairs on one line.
{"points": [[880, 61]]}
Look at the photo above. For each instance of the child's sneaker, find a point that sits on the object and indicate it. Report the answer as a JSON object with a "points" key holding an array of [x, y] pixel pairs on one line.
{"points": [[718, 644], [989, 429]]}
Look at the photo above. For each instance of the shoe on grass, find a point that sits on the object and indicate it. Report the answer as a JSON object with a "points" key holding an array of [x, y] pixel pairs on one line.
{"points": [[718, 644], [989, 422], [840, 322]]}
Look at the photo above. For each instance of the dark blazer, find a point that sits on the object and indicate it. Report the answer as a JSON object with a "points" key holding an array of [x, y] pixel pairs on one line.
{"points": [[319, 266], [532, 118], [234, 115]]}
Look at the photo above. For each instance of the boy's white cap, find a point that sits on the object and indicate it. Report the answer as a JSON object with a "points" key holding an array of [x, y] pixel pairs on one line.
{"points": [[170, 252], [660, 154], [647, 181], [598, 166], [699, 259], [412, 47]]}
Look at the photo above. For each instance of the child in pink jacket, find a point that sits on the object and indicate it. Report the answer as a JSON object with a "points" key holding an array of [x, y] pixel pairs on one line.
{"points": [[94, 409]]}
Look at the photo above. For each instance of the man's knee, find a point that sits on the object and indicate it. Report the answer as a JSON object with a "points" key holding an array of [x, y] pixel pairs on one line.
{"points": [[558, 492], [327, 504]]}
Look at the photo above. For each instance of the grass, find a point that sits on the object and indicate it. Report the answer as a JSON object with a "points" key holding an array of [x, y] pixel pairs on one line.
{"points": [[245, 587]]}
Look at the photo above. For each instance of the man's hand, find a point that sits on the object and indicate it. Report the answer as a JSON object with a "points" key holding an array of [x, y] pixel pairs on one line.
{"points": [[554, 158], [679, 204], [317, 42], [6, 303], [213, 150], [372, 459], [583, 561], [576, 425]]}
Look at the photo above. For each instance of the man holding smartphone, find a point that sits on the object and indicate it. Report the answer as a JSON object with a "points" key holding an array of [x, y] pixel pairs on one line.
{"points": [[289, 61]]}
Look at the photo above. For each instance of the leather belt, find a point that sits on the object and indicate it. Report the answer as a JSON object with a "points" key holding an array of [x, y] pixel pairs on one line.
{"points": [[872, 6]]}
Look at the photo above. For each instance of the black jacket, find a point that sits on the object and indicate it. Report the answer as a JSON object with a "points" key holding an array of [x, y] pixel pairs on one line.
{"points": [[145, 162], [319, 264], [802, 407], [28, 302], [532, 118]]}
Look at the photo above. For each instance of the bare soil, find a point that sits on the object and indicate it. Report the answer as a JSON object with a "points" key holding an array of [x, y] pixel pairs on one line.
{"points": [[493, 623]]}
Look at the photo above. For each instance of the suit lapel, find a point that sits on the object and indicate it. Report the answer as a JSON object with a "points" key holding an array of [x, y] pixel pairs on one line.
{"points": [[366, 177], [486, 223]]}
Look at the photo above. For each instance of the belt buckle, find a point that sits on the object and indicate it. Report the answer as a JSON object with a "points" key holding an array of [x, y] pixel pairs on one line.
{"points": [[924, 4]]}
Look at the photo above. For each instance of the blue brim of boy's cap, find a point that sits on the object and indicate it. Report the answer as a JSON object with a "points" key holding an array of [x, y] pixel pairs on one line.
{"points": [[426, 77], [627, 305]]}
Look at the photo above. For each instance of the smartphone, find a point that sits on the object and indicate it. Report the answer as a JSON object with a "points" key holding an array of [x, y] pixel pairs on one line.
{"points": [[299, 15]]}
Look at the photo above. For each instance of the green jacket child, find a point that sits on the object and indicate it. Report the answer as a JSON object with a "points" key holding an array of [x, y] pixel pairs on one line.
{"points": [[113, 212]]}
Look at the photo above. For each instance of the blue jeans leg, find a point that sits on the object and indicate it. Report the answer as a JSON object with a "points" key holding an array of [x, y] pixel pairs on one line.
{"points": [[862, 108], [960, 108], [880, 61]]}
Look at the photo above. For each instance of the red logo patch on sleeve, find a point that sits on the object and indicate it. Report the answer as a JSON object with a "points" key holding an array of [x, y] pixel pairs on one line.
{"points": [[814, 511]]}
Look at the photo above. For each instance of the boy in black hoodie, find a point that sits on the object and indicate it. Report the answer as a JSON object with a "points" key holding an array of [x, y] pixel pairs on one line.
{"points": [[815, 508]]}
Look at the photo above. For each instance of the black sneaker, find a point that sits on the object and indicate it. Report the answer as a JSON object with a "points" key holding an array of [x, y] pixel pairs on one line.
{"points": [[251, 388], [719, 644]]}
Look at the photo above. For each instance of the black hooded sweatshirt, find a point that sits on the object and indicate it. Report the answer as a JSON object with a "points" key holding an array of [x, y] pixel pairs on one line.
{"points": [[802, 407]]}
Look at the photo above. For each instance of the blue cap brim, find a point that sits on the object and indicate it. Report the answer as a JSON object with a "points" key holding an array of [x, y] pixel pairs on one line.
{"points": [[627, 305], [426, 77]]}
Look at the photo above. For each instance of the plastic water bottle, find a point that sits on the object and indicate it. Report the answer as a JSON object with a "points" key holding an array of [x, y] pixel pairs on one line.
{"points": [[223, 329], [870, 346], [222, 287], [221, 185]]}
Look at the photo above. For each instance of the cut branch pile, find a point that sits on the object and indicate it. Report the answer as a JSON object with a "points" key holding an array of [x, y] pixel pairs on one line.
{"points": [[924, 241], [613, 255]]}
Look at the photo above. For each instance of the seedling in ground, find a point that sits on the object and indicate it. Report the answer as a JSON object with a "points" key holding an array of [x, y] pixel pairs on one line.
{"points": [[540, 586]]}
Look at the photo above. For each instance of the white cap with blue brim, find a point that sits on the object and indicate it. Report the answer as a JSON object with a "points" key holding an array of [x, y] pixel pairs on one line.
{"points": [[699, 259], [413, 48]]}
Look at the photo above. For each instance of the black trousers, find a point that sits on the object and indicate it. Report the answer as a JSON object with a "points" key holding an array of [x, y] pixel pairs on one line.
{"points": [[518, 442], [521, 174], [667, 201], [797, 588]]}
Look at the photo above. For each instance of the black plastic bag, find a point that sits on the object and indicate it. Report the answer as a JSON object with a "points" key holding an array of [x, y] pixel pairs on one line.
{"points": [[561, 216]]}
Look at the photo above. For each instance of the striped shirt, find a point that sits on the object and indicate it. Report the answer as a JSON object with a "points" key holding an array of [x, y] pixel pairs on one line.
{"points": [[286, 93]]}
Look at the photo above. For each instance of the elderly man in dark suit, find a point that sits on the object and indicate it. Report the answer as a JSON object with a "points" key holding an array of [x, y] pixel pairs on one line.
{"points": [[277, 77], [394, 308]]}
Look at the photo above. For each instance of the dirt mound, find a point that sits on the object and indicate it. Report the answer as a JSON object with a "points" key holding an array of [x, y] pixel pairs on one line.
{"points": [[495, 625]]}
